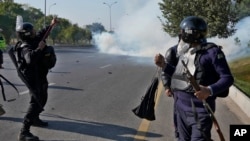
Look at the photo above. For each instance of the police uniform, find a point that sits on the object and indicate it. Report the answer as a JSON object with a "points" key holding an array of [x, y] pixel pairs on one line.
{"points": [[35, 74], [215, 74]]}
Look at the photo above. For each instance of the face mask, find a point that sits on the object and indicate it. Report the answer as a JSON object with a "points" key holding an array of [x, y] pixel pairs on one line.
{"points": [[182, 48]]}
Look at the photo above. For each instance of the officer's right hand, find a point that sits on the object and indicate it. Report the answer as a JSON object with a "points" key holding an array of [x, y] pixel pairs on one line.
{"points": [[159, 60], [54, 20], [41, 45]]}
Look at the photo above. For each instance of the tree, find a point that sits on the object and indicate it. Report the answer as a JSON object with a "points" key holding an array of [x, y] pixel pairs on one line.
{"points": [[64, 32], [7, 26], [244, 6], [88, 35], [62, 28], [220, 15], [96, 27], [11, 1], [8, 12]]}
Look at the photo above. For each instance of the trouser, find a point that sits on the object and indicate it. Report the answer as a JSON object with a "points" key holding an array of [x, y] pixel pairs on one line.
{"points": [[191, 130], [175, 117], [38, 100], [1, 57]]}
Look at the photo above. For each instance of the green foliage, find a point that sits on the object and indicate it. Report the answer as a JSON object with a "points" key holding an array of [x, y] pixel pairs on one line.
{"points": [[221, 15], [6, 27], [241, 71], [96, 28], [244, 6], [7, 14], [11, 1], [243, 86], [65, 32]]}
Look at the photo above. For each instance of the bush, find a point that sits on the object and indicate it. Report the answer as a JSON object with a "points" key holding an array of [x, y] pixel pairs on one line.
{"points": [[241, 71]]}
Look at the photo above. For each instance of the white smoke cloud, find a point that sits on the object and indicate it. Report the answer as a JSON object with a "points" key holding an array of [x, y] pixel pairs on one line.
{"points": [[232, 50], [140, 33]]}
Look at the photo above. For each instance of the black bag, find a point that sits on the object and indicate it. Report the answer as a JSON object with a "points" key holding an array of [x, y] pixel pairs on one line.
{"points": [[147, 105], [49, 60]]}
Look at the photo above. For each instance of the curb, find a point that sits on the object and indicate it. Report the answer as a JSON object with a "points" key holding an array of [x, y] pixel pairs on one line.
{"points": [[240, 99]]}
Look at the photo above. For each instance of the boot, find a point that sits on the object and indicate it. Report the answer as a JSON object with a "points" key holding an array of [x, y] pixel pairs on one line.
{"points": [[27, 136], [39, 123], [1, 110]]}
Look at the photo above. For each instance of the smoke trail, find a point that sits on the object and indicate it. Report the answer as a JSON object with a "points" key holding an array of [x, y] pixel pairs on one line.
{"points": [[140, 33]]}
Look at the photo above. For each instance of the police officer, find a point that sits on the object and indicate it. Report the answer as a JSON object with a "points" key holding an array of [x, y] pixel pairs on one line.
{"points": [[35, 74], [211, 71]]}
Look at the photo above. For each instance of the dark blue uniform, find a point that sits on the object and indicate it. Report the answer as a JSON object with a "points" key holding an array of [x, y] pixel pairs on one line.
{"points": [[216, 75]]}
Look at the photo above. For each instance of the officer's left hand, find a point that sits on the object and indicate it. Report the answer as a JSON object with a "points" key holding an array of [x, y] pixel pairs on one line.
{"points": [[203, 94], [169, 92], [54, 21]]}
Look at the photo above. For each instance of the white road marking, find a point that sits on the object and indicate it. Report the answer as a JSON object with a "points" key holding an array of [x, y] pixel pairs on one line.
{"points": [[105, 66], [24, 92], [27, 91], [50, 84]]}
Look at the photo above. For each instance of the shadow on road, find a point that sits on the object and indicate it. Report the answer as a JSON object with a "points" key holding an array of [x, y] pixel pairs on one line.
{"points": [[90, 128], [65, 88]]}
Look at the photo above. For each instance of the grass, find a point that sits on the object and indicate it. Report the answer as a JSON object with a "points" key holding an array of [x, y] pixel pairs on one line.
{"points": [[241, 71]]}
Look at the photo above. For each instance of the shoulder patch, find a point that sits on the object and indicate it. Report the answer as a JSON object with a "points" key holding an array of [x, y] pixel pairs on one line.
{"points": [[220, 55]]}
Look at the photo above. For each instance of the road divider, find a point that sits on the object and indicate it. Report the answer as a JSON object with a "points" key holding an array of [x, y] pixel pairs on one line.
{"points": [[240, 99]]}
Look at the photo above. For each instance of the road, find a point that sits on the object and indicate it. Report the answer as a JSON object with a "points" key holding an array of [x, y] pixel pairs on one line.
{"points": [[91, 96]]}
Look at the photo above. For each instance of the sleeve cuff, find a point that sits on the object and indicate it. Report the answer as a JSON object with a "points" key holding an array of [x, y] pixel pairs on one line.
{"points": [[211, 91]]}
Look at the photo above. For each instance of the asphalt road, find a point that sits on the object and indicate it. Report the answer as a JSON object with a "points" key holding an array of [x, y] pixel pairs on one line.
{"points": [[91, 95]]}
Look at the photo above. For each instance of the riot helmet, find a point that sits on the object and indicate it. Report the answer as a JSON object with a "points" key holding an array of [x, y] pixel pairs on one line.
{"points": [[193, 29], [26, 32]]}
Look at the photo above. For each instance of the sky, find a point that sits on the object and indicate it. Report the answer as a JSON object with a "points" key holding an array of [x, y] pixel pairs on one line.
{"points": [[85, 12], [138, 30]]}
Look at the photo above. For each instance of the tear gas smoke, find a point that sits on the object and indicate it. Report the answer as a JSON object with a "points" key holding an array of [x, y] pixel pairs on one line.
{"points": [[140, 33], [230, 48]]}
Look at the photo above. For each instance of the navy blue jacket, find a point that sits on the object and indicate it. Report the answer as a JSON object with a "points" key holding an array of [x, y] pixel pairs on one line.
{"points": [[216, 74]]}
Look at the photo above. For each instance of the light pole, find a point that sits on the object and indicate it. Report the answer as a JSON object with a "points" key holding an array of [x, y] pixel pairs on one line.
{"points": [[44, 13], [51, 6], [110, 5]]}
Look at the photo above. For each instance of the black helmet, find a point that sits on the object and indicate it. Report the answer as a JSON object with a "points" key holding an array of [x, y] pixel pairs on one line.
{"points": [[193, 29], [26, 32]]}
